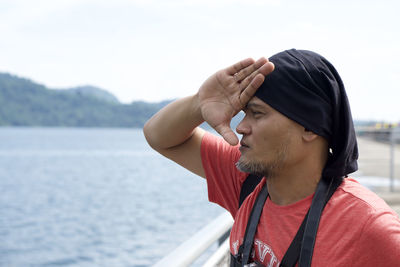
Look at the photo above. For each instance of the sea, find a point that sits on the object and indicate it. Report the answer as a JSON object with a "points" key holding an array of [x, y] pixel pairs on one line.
{"points": [[93, 197]]}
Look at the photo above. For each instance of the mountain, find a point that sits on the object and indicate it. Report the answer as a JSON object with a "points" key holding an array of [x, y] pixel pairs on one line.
{"points": [[92, 91], [26, 103]]}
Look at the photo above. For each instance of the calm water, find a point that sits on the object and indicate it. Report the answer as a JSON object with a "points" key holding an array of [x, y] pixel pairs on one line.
{"points": [[93, 197]]}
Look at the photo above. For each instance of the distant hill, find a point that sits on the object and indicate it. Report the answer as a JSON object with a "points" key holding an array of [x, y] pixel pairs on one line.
{"points": [[92, 91], [26, 103]]}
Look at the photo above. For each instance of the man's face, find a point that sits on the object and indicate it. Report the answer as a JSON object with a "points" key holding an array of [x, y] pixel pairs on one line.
{"points": [[270, 140]]}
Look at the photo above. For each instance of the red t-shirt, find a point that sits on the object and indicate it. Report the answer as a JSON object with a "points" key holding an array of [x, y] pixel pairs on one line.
{"points": [[357, 228]]}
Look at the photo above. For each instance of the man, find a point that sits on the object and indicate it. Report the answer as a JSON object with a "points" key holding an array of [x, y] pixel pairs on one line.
{"points": [[298, 134]]}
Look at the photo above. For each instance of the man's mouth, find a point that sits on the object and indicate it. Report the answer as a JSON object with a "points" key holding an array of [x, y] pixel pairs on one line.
{"points": [[242, 143], [243, 146]]}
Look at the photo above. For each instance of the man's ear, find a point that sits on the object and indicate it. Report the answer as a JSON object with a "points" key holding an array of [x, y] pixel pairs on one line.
{"points": [[308, 135]]}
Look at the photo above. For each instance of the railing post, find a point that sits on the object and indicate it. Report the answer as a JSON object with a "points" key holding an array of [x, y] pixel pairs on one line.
{"points": [[392, 147]]}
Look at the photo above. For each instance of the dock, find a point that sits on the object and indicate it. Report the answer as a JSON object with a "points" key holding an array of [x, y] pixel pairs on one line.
{"points": [[374, 161]]}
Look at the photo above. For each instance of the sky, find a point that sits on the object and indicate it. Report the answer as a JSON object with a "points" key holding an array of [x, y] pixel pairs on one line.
{"points": [[154, 50]]}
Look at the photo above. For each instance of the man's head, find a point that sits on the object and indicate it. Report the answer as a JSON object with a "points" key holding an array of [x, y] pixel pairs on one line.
{"points": [[272, 142], [306, 89]]}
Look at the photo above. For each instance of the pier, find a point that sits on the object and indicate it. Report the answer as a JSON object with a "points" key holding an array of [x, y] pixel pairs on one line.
{"points": [[375, 162]]}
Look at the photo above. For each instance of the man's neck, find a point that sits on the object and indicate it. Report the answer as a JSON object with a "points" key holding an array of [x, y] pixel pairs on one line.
{"points": [[288, 187]]}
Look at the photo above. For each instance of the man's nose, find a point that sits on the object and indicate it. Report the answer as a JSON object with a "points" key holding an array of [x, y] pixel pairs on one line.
{"points": [[243, 127]]}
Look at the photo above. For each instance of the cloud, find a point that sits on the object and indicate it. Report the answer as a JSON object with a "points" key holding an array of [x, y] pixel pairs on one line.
{"points": [[155, 49]]}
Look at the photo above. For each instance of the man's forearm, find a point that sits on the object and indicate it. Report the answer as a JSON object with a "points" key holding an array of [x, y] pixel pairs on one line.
{"points": [[173, 124]]}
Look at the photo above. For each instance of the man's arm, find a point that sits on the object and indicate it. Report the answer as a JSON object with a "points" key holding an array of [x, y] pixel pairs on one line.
{"points": [[173, 131]]}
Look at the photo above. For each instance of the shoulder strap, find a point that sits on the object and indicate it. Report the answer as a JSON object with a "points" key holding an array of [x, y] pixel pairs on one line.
{"points": [[248, 186], [311, 227], [305, 248], [303, 243], [253, 223]]}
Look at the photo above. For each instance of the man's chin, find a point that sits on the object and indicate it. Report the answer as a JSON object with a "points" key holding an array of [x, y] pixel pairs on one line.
{"points": [[248, 166], [245, 166]]}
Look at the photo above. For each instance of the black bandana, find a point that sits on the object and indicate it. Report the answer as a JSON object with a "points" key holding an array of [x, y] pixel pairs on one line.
{"points": [[306, 88]]}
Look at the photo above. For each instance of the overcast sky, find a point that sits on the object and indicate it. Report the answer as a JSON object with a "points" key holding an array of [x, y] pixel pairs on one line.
{"points": [[158, 49]]}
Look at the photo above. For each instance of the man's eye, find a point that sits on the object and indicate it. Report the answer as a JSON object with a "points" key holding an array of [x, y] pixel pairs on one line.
{"points": [[255, 113], [252, 112]]}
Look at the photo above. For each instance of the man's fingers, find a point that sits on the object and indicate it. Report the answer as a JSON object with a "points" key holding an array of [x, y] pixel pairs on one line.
{"points": [[251, 89], [239, 66], [226, 132], [252, 69], [265, 69]]}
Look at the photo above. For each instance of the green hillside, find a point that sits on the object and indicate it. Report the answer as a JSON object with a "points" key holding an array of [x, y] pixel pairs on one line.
{"points": [[25, 103]]}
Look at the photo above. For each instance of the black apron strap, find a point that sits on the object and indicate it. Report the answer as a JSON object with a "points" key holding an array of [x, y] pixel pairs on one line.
{"points": [[303, 243], [234, 262], [311, 228], [252, 224], [292, 254], [248, 186], [294, 251]]}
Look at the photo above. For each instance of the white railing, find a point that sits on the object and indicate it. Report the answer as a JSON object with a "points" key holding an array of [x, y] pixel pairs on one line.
{"points": [[222, 255], [190, 250], [392, 136]]}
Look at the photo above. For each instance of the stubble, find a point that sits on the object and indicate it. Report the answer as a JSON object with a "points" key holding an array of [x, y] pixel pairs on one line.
{"points": [[266, 169]]}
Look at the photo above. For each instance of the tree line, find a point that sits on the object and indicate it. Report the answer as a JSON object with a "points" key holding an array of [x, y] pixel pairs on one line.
{"points": [[26, 103]]}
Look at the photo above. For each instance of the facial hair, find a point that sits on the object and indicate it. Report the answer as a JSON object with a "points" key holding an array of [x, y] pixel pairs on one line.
{"points": [[266, 169]]}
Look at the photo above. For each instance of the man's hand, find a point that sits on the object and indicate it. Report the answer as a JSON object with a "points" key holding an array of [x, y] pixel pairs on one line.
{"points": [[227, 92]]}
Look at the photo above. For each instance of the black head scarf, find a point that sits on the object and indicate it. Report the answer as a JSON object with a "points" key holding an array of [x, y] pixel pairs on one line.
{"points": [[306, 88]]}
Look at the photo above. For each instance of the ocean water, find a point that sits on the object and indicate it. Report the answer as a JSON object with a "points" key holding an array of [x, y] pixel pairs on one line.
{"points": [[93, 197]]}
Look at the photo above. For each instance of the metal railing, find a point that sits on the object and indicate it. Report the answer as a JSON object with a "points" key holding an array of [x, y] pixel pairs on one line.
{"points": [[190, 250], [394, 138], [388, 135], [221, 257]]}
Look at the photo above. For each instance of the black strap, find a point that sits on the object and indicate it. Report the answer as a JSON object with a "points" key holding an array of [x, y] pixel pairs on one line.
{"points": [[292, 254], [248, 186], [252, 223], [325, 190], [311, 228], [294, 251], [234, 262]]}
